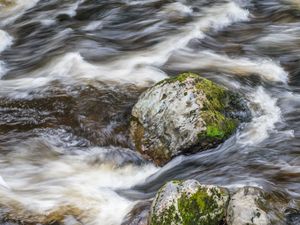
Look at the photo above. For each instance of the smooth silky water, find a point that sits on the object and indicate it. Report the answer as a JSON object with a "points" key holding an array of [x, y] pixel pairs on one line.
{"points": [[71, 70]]}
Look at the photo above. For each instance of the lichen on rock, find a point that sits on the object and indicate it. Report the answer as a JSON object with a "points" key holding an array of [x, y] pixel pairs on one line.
{"points": [[244, 208], [188, 203], [184, 114]]}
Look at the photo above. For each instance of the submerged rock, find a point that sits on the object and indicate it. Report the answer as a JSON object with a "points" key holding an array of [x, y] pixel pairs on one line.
{"points": [[187, 203], [244, 208], [7, 3], [293, 217], [139, 215], [184, 114]]}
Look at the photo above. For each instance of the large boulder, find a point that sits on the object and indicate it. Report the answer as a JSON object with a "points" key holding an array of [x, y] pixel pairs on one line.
{"points": [[184, 114], [245, 209], [188, 203]]}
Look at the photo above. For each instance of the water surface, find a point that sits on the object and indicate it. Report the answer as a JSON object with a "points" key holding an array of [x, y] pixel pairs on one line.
{"points": [[71, 70]]}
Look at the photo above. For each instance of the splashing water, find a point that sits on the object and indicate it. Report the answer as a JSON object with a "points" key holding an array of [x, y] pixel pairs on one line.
{"points": [[70, 72]]}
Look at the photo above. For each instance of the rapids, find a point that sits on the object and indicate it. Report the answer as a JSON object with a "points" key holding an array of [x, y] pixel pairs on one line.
{"points": [[71, 70]]}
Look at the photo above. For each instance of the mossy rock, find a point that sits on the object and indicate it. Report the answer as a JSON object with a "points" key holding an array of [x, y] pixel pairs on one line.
{"points": [[184, 114], [189, 203]]}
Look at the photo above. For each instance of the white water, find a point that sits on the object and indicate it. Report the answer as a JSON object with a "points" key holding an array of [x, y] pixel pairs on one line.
{"points": [[37, 177], [9, 15], [265, 113], [266, 68], [5, 41], [141, 68], [46, 183], [294, 3], [279, 37], [175, 10], [41, 178]]}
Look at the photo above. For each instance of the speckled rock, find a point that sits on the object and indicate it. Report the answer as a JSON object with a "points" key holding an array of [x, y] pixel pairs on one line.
{"points": [[244, 208], [188, 203], [184, 114]]}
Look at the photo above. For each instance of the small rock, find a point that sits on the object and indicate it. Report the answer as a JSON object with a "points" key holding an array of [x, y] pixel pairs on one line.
{"points": [[244, 208], [293, 217], [139, 215], [188, 203]]}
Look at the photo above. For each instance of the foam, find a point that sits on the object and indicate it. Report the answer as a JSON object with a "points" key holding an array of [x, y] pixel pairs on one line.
{"points": [[44, 184], [265, 116], [266, 68], [9, 15]]}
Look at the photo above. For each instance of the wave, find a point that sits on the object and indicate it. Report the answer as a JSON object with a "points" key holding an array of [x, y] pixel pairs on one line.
{"points": [[266, 68], [266, 114], [5, 41], [10, 14], [140, 68], [46, 180]]}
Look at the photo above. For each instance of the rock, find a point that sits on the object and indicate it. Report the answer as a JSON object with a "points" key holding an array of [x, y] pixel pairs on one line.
{"points": [[188, 203], [293, 217], [244, 208], [139, 215], [7, 3], [184, 114]]}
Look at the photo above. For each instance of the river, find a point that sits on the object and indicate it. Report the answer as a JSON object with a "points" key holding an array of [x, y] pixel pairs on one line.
{"points": [[71, 71]]}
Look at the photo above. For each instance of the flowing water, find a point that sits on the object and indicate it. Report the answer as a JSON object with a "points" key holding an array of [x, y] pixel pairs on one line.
{"points": [[71, 70]]}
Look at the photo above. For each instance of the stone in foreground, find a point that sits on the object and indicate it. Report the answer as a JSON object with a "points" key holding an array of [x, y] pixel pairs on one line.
{"points": [[184, 114], [188, 203], [244, 208]]}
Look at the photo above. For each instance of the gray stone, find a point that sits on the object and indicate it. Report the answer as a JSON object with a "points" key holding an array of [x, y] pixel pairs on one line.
{"points": [[184, 114], [189, 202], [244, 208]]}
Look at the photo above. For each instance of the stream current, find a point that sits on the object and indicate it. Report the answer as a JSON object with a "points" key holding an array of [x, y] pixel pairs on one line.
{"points": [[71, 70]]}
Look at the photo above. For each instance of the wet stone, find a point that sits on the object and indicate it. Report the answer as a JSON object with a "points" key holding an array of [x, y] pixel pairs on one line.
{"points": [[183, 115], [189, 202], [244, 208]]}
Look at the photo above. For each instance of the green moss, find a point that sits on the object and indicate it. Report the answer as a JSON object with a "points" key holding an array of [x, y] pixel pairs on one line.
{"points": [[194, 209], [181, 78], [215, 94], [217, 125], [214, 131], [201, 208]]}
